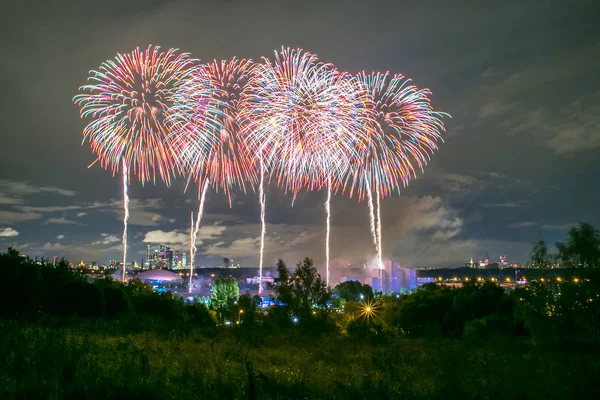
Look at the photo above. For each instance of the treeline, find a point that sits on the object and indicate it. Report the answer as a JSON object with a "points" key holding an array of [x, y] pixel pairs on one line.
{"points": [[29, 292], [65, 337], [581, 250], [562, 310]]}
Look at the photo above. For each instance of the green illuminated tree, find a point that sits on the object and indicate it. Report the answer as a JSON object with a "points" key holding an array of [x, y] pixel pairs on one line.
{"points": [[224, 293]]}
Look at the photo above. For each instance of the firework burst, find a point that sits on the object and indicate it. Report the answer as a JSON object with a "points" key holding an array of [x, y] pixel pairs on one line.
{"points": [[128, 99], [403, 131], [207, 126], [304, 119]]}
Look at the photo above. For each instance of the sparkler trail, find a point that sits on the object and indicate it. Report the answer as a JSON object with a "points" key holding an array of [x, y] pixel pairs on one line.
{"points": [[196, 229], [125, 216], [263, 227]]}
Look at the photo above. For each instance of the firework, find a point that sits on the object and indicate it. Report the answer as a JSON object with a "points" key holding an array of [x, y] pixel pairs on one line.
{"points": [[207, 125], [403, 132], [205, 128], [303, 117], [127, 99]]}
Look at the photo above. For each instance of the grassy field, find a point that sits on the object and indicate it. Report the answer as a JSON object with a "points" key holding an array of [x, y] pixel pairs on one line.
{"points": [[68, 363]]}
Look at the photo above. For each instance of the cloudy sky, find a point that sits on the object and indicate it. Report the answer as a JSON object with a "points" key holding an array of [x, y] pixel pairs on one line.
{"points": [[519, 162]]}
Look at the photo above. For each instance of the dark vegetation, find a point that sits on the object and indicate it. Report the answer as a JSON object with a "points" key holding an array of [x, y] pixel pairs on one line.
{"points": [[65, 337]]}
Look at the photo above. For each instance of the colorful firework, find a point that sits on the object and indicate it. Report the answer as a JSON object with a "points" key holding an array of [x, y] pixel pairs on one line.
{"points": [[128, 99], [403, 132], [205, 129], [304, 118], [205, 126]]}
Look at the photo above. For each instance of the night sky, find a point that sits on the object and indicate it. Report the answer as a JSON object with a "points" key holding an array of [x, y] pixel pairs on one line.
{"points": [[519, 163]]}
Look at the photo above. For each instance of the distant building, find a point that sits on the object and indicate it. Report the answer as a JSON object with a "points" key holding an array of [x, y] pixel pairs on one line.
{"points": [[255, 280], [393, 278]]}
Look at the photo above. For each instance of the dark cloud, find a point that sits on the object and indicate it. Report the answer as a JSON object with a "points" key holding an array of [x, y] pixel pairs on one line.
{"points": [[518, 165]]}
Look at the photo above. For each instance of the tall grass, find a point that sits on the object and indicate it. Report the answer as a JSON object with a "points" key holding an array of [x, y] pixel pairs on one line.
{"points": [[69, 363]]}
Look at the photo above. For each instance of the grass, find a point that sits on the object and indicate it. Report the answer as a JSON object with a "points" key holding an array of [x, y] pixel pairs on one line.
{"points": [[88, 362]]}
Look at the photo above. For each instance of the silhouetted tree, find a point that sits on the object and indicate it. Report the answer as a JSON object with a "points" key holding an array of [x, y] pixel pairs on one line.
{"points": [[539, 255], [583, 246], [303, 290], [352, 291]]}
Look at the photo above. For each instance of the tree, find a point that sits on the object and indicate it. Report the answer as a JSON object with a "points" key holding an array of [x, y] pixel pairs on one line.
{"points": [[352, 291], [583, 246], [539, 255], [246, 309], [303, 290], [283, 287], [223, 294]]}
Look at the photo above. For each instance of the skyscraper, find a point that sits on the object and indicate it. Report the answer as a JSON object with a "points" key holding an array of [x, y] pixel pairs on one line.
{"points": [[148, 262]]}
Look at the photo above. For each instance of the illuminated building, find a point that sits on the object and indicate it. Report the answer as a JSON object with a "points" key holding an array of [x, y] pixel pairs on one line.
{"points": [[471, 264], [503, 262], [393, 278], [148, 262]]}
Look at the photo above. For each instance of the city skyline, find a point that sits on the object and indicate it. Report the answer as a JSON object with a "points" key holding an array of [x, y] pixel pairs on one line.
{"points": [[516, 166]]}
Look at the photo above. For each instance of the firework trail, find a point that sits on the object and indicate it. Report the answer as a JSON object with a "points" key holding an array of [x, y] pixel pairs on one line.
{"points": [[263, 230], [195, 230], [125, 217], [379, 244], [192, 247], [303, 117], [127, 99], [328, 217], [372, 225]]}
